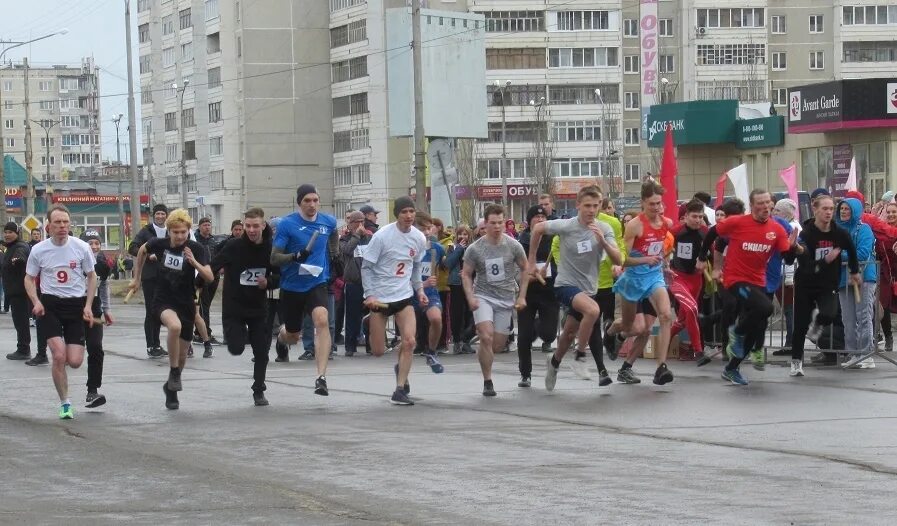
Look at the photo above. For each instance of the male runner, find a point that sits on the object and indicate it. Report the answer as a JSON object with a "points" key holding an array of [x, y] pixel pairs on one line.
{"points": [[180, 258], [68, 283], [642, 280], [248, 274], [431, 313], [583, 243], [151, 327], [752, 239], [390, 274], [101, 307], [304, 246], [491, 298], [687, 280]]}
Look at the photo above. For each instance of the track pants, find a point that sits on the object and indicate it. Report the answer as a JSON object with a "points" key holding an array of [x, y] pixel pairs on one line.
{"points": [[753, 309]]}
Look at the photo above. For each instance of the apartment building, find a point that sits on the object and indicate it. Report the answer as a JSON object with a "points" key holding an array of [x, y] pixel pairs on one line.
{"points": [[241, 92]]}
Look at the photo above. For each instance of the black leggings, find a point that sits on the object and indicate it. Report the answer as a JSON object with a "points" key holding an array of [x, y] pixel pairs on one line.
{"points": [[151, 323], [886, 323], [95, 356], [826, 300], [753, 308], [607, 302], [461, 317], [543, 304]]}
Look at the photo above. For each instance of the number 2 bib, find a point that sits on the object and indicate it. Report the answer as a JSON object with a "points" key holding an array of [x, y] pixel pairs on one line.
{"points": [[250, 277], [495, 270], [172, 260]]}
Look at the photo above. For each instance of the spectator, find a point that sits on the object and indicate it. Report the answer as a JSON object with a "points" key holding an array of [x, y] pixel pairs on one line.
{"points": [[709, 213], [460, 315], [236, 228], [352, 247], [548, 206], [370, 218], [204, 237]]}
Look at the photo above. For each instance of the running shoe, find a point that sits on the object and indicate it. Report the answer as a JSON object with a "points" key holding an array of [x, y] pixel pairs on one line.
{"points": [[866, 364], [321, 386], [702, 359], [734, 376], [171, 397], [407, 386], [283, 352], [399, 397], [551, 375], [467, 348], [663, 375], [208, 352], [546, 348], [758, 360], [258, 398], [418, 351], [604, 379], [433, 362], [853, 361], [214, 340], [307, 355], [39, 359], [580, 367], [611, 345], [442, 350], [488, 388], [456, 348], [797, 368], [814, 332], [154, 352], [19, 355], [197, 338], [174, 380], [65, 412], [627, 376], [525, 381], [824, 358], [95, 400]]}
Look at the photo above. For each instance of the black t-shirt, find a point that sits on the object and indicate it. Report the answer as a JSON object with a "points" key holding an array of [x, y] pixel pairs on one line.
{"points": [[174, 285]]}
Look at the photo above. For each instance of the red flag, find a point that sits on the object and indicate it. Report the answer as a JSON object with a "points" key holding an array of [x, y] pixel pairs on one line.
{"points": [[721, 190], [668, 172]]}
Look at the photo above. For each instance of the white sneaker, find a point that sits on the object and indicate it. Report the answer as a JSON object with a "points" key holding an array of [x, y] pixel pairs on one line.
{"points": [[814, 332], [853, 362], [551, 375], [797, 368], [581, 368], [868, 363]]}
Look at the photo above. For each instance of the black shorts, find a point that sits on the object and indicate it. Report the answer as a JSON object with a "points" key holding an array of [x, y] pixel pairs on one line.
{"points": [[646, 308], [575, 314], [394, 307], [63, 318], [186, 314], [295, 305]]}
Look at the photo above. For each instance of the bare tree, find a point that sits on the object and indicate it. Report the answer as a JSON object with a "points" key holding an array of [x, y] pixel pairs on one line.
{"points": [[540, 171], [466, 163]]}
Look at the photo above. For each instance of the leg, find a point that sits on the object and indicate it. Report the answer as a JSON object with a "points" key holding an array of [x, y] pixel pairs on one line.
{"points": [[486, 354], [622, 326], [865, 316], [172, 323], [259, 339], [149, 322], [352, 299], [60, 358], [206, 295], [803, 312], [95, 357], [756, 308], [308, 333], [849, 317], [526, 317], [660, 300], [407, 325], [434, 317], [235, 333], [21, 313], [641, 331], [585, 305], [321, 321], [377, 333]]}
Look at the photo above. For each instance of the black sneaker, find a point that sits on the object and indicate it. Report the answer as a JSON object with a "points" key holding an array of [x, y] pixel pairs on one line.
{"points": [[283, 358], [174, 380], [488, 388], [400, 398], [350, 352], [307, 355], [663, 375], [171, 397], [525, 381], [604, 379], [155, 352], [407, 387], [283, 352], [214, 341], [208, 352], [702, 359], [418, 351], [259, 398], [627, 376], [197, 338], [321, 386], [609, 341], [19, 355], [546, 348], [39, 359], [95, 400]]}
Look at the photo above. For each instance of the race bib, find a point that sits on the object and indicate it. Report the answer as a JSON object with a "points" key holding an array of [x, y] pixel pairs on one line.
{"points": [[655, 248], [684, 250], [62, 274], [495, 270], [250, 277], [173, 261], [546, 266], [425, 269], [403, 268], [584, 246], [822, 252]]}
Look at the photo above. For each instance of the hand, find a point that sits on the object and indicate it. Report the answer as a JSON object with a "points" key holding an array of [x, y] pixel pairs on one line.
{"points": [[856, 279], [360, 231], [38, 310], [462, 244], [833, 255], [653, 260], [792, 237], [717, 276], [371, 303], [431, 282], [474, 304], [188, 255], [263, 282], [87, 315], [152, 257], [668, 273], [134, 285], [599, 235], [520, 304], [700, 265], [422, 298], [617, 271], [108, 318], [302, 256]]}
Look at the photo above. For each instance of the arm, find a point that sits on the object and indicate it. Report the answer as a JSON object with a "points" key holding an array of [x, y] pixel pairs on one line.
{"points": [[221, 259], [611, 249], [105, 299], [467, 284], [707, 245], [279, 258], [524, 283], [91, 292], [367, 276], [852, 260], [31, 290], [633, 230], [138, 267], [348, 244], [416, 283], [333, 245], [139, 240], [535, 238], [454, 257]]}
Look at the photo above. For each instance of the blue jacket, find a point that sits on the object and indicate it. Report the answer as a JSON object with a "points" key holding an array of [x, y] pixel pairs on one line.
{"points": [[863, 239], [453, 262], [774, 267]]}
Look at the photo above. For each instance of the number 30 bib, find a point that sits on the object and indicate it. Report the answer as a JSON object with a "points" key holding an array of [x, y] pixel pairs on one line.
{"points": [[172, 260]]}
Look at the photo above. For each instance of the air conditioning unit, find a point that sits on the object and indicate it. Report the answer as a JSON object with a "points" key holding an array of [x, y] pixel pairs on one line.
{"points": [[701, 31]]}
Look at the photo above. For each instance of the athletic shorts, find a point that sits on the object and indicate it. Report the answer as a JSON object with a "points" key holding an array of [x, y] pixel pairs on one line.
{"points": [[575, 314], [645, 307], [394, 307], [637, 287], [565, 295], [433, 297], [63, 318], [186, 314], [295, 305], [499, 315]]}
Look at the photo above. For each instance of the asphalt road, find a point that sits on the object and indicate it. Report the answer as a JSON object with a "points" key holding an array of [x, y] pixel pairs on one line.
{"points": [[816, 450]]}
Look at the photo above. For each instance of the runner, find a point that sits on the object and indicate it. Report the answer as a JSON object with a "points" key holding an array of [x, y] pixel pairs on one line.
{"points": [[173, 303], [102, 313], [583, 241], [688, 280], [304, 261], [431, 312], [752, 238], [68, 284], [491, 296], [151, 326], [248, 274], [643, 279], [390, 274]]}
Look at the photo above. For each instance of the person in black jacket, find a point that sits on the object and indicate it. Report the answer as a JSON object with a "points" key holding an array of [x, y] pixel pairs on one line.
{"points": [[204, 237], [352, 246], [151, 325], [101, 308], [248, 275], [13, 273]]}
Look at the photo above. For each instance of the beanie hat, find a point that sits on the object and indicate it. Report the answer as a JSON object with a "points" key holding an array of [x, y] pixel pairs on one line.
{"points": [[817, 192], [683, 209], [888, 196], [304, 190], [856, 195], [786, 207], [90, 234], [11, 227], [535, 210], [160, 208], [402, 203]]}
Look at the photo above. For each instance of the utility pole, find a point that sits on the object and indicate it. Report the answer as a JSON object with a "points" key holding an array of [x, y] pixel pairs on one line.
{"points": [[504, 146], [132, 130], [121, 207], [28, 153], [602, 157], [420, 159], [180, 94], [47, 126]]}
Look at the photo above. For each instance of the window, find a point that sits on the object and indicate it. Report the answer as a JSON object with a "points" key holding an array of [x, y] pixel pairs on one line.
{"points": [[7, 85], [582, 57], [361, 173], [187, 118], [215, 112], [349, 69], [214, 77], [725, 54], [10, 124], [187, 52], [579, 167], [631, 64], [45, 85], [171, 121], [777, 23], [171, 152], [870, 51], [168, 57], [143, 5], [359, 139], [514, 21], [778, 61], [780, 96], [190, 151], [216, 179], [70, 140], [172, 184], [515, 58], [583, 21], [732, 18], [46, 105], [145, 64], [336, 5], [146, 95], [817, 60], [630, 27], [167, 25], [631, 100], [211, 9], [169, 88], [632, 173], [816, 26], [515, 94], [515, 131], [342, 176], [869, 15], [143, 34], [578, 131], [191, 182], [213, 43], [43, 142], [43, 160], [348, 34], [667, 64], [665, 27], [216, 146], [7, 105], [10, 142], [146, 125], [70, 121], [185, 19], [584, 94], [356, 104]]}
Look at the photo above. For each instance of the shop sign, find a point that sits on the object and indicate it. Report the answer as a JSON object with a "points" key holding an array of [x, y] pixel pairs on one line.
{"points": [[515, 192], [759, 133], [695, 122], [94, 199], [842, 105]]}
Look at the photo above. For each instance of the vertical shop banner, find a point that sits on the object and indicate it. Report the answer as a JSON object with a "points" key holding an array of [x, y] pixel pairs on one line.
{"points": [[842, 154], [648, 36]]}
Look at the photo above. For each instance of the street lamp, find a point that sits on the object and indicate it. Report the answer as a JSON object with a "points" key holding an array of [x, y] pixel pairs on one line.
{"points": [[121, 205], [47, 126], [180, 94], [116, 120], [2, 157], [503, 91]]}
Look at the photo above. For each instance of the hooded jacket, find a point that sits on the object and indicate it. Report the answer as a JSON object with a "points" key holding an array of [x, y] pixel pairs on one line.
{"points": [[238, 256], [352, 260], [14, 271], [814, 273], [150, 268], [863, 239]]}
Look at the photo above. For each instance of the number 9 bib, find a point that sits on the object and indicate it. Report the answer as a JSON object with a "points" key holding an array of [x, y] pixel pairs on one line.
{"points": [[62, 274]]}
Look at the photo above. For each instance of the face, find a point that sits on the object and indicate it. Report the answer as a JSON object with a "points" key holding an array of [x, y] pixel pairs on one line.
{"points": [[627, 218], [309, 204], [371, 216], [426, 228], [354, 224], [159, 218], [761, 206], [545, 203], [538, 218], [694, 220], [237, 230], [59, 224], [844, 212], [94, 245], [609, 209], [588, 207], [720, 215], [253, 227], [825, 210], [406, 218], [205, 229], [9, 236], [178, 234], [891, 213], [463, 236], [653, 206], [35, 235], [495, 225]]}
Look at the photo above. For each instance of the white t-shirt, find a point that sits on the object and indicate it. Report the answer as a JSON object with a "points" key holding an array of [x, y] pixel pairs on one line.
{"points": [[393, 254], [62, 269]]}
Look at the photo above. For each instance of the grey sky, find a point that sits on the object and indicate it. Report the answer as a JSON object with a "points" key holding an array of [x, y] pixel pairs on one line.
{"points": [[96, 28]]}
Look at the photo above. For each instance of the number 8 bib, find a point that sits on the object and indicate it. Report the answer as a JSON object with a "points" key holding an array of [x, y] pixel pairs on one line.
{"points": [[495, 270]]}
